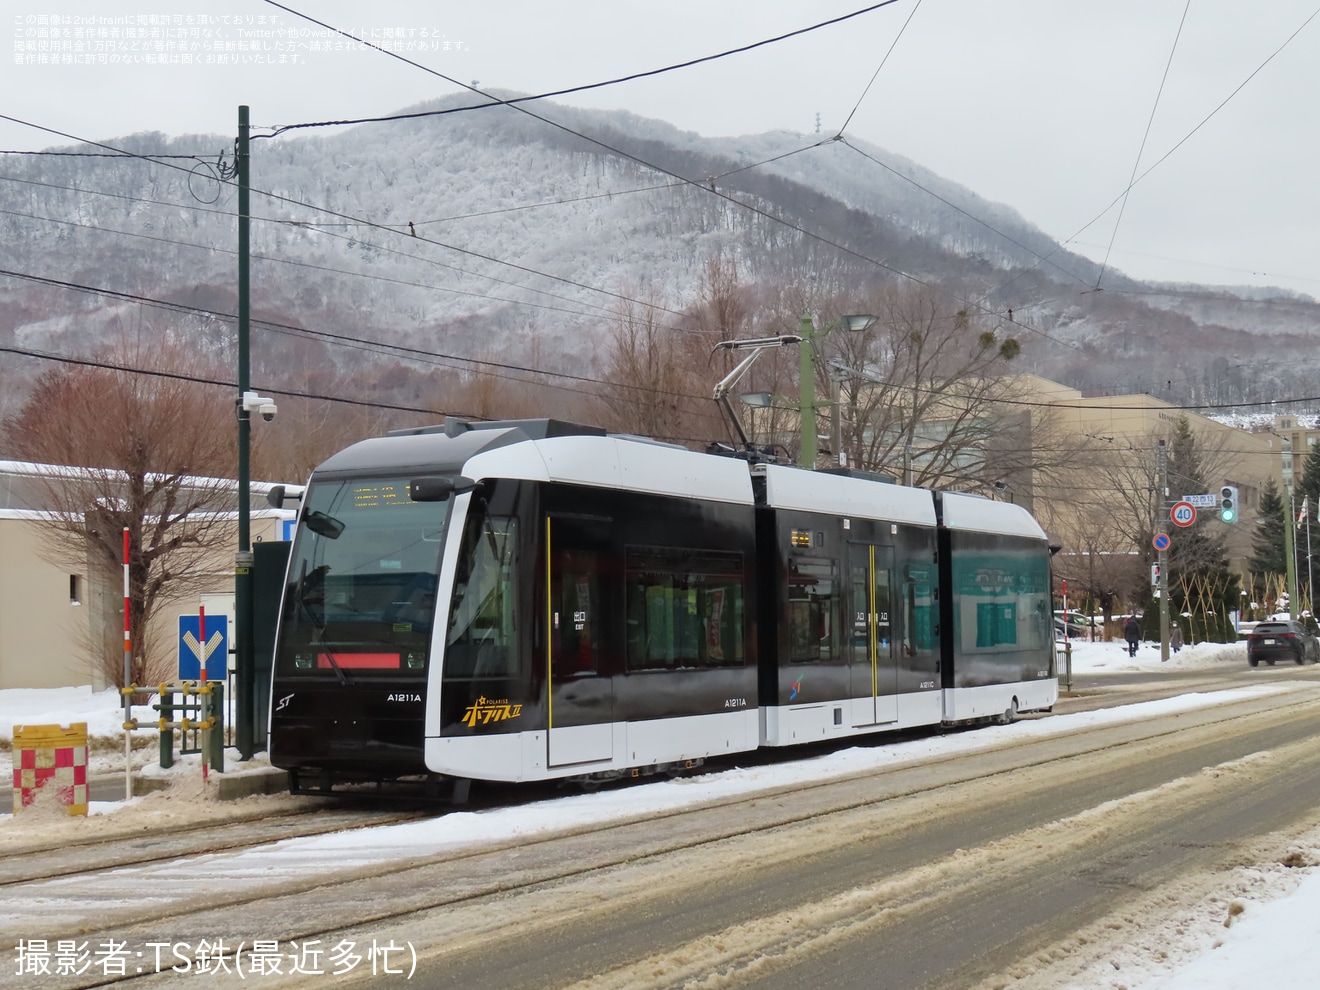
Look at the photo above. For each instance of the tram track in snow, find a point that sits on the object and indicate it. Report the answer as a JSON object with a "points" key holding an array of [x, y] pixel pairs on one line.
{"points": [[119, 848], [292, 907]]}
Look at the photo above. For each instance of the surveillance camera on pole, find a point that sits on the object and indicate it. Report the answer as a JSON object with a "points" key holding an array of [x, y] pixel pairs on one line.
{"points": [[263, 404]]}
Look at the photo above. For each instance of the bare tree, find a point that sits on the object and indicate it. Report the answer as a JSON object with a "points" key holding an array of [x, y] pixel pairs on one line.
{"points": [[1101, 566], [1036, 460], [657, 374], [308, 430], [646, 388], [724, 308], [136, 450], [918, 389]]}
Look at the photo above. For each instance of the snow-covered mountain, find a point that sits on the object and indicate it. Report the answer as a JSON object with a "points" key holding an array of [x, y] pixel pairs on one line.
{"points": [[489, 232]]}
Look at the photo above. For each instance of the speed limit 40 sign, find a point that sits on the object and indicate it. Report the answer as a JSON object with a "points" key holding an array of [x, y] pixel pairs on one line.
{"points": [[1182, 514]]}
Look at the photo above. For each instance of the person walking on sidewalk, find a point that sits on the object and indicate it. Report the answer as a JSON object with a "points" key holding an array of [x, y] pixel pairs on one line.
{"points": [[1132, 633]]}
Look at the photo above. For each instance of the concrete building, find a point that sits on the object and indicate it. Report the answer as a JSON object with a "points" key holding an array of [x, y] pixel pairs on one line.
{"points": [[55, 617], [1091, 506]]}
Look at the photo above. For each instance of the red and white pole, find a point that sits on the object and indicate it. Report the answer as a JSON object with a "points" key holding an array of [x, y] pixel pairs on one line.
{"points": [[201, 634], [128, 677]]}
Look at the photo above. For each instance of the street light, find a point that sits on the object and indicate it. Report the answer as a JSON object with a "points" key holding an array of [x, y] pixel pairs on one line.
{"points": [[807, 379], [759, 402]]}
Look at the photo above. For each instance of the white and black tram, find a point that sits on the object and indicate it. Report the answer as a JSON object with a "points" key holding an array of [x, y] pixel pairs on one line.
{"points": [[530, 600]]}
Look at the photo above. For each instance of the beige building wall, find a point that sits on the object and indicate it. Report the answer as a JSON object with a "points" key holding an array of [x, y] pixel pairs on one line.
{"points": [[1302, 442], [42, 641], [46, 640], [1119, 426]]}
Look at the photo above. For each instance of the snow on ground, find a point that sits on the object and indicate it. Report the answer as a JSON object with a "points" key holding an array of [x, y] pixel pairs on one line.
{"points": [[1272, 909]]}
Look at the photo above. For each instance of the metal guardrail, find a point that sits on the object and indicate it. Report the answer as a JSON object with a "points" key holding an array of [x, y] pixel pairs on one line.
{"points": [[205, 733]]}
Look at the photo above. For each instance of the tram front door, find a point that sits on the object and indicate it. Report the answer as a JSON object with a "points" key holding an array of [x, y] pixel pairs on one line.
{"points": [[580, 706], [873, 669]]}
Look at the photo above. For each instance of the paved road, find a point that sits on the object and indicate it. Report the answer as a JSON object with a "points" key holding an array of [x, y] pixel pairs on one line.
{"points": [[928, 875], [936, 889]]}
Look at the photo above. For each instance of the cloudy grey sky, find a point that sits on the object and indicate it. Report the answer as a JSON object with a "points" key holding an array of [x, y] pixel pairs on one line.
{"points": [[1040, 104]]}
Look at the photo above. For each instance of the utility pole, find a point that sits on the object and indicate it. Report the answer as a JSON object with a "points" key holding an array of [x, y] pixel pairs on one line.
{"points": [[807, 403], [807, 396], [244, 649], [1289, 542], [1310, 577], [836, 420], [1161, 500]]}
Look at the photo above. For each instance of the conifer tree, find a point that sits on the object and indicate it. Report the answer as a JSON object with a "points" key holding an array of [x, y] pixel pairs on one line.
{"points": [[1268, 551], [1197, 557], [1306, 502], [1308, 487]]}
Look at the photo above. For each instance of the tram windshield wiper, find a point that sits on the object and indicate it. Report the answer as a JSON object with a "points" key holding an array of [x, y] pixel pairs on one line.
{"points": [[318, 627], [344, 679]]}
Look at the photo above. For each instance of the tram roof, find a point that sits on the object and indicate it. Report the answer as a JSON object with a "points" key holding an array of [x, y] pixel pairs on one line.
{"points": [[548, 450], [981, 515], [819, 491]]}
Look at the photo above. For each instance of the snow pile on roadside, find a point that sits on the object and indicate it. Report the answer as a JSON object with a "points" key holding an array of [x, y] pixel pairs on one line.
{"points": [[188, 801], [103, 711], [1112, 657], [1250, 926]]}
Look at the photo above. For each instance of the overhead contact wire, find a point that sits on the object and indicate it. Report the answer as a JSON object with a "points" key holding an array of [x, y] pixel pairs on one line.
{"points": [[1144, 138]]}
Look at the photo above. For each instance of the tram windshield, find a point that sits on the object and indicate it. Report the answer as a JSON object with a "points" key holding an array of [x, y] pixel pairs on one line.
{"points": [[360, 597]]}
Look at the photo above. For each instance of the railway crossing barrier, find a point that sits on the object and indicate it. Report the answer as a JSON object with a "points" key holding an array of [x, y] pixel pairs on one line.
{"points": [[51, 756], [198, 706]]}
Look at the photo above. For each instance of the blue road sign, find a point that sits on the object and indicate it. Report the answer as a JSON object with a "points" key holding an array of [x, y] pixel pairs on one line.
{"points": [[190, 648], [288, 528], [1161, 541]]}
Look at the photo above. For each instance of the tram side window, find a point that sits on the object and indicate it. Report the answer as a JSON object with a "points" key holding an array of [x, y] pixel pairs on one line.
{"points": [[482, 622], [920, 602], [813, 604], [577, 574], [684, 608], [996, 624], [1000, 587]]}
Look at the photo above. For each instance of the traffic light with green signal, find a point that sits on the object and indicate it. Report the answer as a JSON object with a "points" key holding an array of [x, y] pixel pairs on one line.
{"points": [[1228, 504]]}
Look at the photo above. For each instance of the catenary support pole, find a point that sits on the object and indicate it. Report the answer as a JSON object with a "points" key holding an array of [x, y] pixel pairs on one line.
{"points": [[1289, 541], [1166, 579], [244, 662], [128, 674], [1310, 586], [807, 395]]}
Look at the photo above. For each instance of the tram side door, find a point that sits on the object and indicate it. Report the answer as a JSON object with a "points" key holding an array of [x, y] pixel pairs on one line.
{"points": [[873, 661], [580, 702]]}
